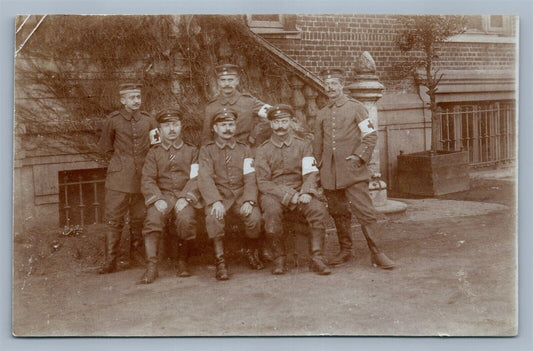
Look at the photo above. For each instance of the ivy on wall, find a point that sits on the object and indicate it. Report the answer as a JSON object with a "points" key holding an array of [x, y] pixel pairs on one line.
{"points": [[67, 75]]}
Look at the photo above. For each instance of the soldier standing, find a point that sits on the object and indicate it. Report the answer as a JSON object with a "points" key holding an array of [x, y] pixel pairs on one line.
{"points": [[344, 141], [287, 179], [227, 184], [169, 185], [125, 135], [252, 126]]}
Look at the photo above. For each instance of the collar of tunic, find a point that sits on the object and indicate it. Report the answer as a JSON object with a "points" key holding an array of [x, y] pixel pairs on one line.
{"points": [[339, 102], [231, 99], [176, 145], [278, 142], [222, 144], [128, 116]]}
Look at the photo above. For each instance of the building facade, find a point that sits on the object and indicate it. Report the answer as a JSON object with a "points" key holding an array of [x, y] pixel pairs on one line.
{"points": [[477, 97]]}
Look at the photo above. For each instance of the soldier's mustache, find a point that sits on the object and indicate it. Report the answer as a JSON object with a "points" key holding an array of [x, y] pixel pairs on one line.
{"points": [[281, 129]]}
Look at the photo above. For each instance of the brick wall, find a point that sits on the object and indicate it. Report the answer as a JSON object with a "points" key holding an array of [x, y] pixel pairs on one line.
{"points": [[337, 40]]}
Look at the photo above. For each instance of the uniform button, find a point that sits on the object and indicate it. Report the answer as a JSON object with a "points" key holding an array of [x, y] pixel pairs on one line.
{"points": [[333, 148]]}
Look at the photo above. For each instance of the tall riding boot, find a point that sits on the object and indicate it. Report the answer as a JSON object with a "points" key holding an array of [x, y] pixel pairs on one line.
{"points": [[112, 243], [183, 255], [252, 254], [265, 253], [315, 246], [221, 271], [278, 253], [378, 258], [151, 242], [344, 235], [136, 256]]}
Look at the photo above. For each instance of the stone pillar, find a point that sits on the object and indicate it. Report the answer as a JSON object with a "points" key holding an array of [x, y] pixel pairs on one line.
{"points": [[368, 90], [298, 98], [311, 109]]}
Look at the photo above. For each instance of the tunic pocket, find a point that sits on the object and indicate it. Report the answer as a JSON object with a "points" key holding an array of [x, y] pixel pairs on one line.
{"points": [[115, 165]]}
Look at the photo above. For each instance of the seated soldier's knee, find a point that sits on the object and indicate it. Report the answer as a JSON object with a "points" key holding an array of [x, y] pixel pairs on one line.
{"points": [[253, 224]]}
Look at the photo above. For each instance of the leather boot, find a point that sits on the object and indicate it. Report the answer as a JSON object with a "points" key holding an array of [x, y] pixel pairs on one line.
{"points": [[137, 250], [265, 253], [278, 253], [221, 270], [344, 235], [378, 258], [151, 243], [112, 243], [252, 254], [183, 255], [317, 264]]}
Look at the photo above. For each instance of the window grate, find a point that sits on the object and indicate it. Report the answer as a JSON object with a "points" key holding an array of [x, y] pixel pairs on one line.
{"points": [[81, 196]]}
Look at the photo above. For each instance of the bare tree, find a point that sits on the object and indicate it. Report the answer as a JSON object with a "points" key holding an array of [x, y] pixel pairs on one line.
{"points": [[419, 39]]}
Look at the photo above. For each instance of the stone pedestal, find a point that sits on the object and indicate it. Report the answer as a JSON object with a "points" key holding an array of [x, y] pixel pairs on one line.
{"points": [[368, 90]]}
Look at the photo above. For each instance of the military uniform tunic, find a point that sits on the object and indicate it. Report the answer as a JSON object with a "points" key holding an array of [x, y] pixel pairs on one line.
{"points": [[226, 174], [284, 168], [126, 136], [249, 123], [339, 134], [170, 172]]}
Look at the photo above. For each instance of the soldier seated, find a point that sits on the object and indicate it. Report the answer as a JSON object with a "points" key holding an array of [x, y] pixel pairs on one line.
{"points": [[169, 185], [287, 181], [227, 183]]}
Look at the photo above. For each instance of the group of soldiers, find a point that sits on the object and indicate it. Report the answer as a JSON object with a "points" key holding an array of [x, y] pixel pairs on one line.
{"points": [[252, 166]]}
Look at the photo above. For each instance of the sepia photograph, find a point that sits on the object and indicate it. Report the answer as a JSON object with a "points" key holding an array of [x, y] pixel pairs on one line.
{"points": [[265, 175]]}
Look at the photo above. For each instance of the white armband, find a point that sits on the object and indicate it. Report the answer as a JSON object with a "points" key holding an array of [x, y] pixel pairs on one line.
{"points": [[263, 111], [248, 166], [194, 171], [308, 165], [154, 136], [366, 127]]}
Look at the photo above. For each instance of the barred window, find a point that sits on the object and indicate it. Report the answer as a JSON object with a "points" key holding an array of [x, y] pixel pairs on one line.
{"points": [[81, 196]]}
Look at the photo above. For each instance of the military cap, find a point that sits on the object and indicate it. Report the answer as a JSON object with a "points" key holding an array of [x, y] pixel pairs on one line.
{"points": [[226, 69], [332, 73], [130, 88], [224, 115], [280, 111], [170, 115]]}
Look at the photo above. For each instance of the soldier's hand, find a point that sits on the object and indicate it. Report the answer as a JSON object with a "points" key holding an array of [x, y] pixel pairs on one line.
{"points": [[161, 205], [357, 160], [218, 210], [180, 204], [304, 198], [246, 209], [294, 199]]}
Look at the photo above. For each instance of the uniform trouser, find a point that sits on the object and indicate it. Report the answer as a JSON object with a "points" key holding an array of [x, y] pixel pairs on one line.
{"points": [[314, 212], [185, 222], [117, 205], [343, 202], [215, 227], [353, 199]]}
